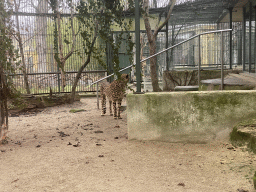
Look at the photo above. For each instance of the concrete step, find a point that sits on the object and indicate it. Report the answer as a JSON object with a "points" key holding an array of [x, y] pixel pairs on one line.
{"points": [[244, 134], [243, 77]]}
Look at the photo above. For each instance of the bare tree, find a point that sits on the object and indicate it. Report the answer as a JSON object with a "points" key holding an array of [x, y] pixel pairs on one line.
{"points": [[89, 55], [19, 39], [60, 57], [152, 36]]}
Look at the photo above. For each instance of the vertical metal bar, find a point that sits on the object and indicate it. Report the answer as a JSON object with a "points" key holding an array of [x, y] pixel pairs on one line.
{"points": [[255, 41], [244, 36], [199, 60], [1, 102], [98, 95], [250, 37], [172, 43], [137, 40], [166, 46], [230, 38], [222, 57]]}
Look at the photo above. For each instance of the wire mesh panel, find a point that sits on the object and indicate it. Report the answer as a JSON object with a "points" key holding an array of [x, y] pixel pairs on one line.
{"points": [[249, 41], [190, 18], [186, 55], [35, 22]]}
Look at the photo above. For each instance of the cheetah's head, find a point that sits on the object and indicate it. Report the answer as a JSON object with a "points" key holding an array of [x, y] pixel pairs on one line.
{"points": [[125, 77]]}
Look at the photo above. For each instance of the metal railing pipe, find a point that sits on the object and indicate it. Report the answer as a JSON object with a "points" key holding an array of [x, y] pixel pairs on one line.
{"points": [[217, 31], [199, 64]]}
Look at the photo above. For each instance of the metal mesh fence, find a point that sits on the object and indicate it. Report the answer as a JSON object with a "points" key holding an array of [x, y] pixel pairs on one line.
{"points": [[247, 46], [36, 23], [186, 55], [190, 17]]}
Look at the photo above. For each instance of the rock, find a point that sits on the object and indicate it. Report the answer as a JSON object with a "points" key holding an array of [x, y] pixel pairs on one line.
{"points": [[244, 134], [181, 184], [62, 134], [76, 145], [98, 131]]}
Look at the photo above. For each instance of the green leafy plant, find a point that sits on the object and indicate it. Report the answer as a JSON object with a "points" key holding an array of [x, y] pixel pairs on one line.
{"points": [[97, 21], [8, 58]]}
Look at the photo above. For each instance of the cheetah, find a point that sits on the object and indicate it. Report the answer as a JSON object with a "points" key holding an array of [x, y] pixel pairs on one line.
{"points": [[115, 92]]}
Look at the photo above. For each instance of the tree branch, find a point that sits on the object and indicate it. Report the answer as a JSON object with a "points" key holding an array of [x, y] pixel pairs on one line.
{"points": [[146, 20], [86, 62], [74, 37], [158, 28]]}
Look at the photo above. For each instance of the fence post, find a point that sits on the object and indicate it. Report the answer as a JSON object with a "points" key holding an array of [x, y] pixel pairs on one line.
{"points": [[137, 41], [98, 96], [199, 60], [222, 75]]}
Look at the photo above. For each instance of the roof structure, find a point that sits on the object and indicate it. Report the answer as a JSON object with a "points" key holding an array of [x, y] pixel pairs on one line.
{"points": [[237, 12], [202, 11]]}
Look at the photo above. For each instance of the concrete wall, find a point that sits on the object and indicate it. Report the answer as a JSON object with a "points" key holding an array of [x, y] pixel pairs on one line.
{"points": [[187, 116]]}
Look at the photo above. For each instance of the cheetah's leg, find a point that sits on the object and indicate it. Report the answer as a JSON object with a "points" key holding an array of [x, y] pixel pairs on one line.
{"points": [[114, 108], [103, 104], [110, 107], [119, 107]]}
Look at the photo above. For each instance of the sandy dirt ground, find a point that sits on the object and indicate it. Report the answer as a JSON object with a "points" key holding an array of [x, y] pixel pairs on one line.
{"points": [[55, 150]]}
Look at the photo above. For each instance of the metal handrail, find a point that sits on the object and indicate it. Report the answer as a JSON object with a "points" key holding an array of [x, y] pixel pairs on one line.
{"points": [[217, 31], [208, 32]]}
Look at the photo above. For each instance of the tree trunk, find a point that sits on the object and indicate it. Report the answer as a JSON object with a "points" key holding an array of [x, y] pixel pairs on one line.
{"points": [[63, 58], [73, 92], [152, 39], [63, 78], [153, 67], [3, 106], [24, 68]]}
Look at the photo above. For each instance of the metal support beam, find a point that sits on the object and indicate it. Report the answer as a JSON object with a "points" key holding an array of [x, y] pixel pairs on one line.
{"points": [[166, 46], [255, 41], [230, 38], [250, 37], [137, 41], [244, 36], [97, 91], [199, 60], [222, 62]]}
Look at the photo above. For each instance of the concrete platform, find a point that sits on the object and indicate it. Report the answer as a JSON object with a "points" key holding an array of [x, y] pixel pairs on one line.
{"points": [[241, 79], [196, 116]]}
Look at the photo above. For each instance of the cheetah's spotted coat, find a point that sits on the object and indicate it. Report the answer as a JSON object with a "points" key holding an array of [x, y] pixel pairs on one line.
{"points": [[115, 93]]}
